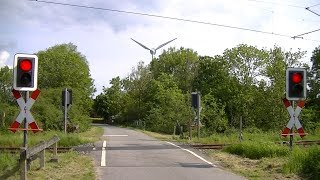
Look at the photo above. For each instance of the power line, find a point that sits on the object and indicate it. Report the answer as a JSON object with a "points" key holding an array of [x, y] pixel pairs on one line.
{"points": [[299, 36], [268, 2], [314, 5], [281, 14], [167, 17], [290, 5], [308, 9]]}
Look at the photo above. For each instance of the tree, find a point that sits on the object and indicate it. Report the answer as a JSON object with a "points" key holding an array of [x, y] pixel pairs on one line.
{"points": [[181, 63], [275, 73], [108, 103], [167, 105], [8, 107], [136, 85], [5, 85], [312, 112], [246, 63], [314, 75], [62, 66]]}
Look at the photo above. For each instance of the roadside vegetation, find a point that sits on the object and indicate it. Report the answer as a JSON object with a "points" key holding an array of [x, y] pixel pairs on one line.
{"points": [[71, 165], [243, 83], [260, 155], [61, 66]]}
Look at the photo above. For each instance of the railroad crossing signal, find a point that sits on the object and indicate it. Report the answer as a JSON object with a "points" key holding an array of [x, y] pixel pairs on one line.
{"points": [[66, 97], [195, 100], [296, 84], [25, 72], [294, 120], [25, 111]]}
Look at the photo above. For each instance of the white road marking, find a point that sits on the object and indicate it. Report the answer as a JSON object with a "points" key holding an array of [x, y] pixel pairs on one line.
{"points": [[191, 152], [115, 135], [103, 155]]}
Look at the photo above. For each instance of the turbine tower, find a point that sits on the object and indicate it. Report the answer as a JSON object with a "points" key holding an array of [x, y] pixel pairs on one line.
{"points": [[153, 50]]}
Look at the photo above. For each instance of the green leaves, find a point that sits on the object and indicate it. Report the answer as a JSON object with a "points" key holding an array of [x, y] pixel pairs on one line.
{"points": [[62, 66], [244, 82]]}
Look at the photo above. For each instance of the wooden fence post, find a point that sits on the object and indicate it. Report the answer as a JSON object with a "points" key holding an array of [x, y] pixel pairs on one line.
{"points": [[55, 152], [39, 151], [42, 157]]}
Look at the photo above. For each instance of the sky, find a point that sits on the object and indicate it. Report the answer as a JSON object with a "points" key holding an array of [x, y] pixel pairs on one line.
{"points": [[104, 37]]}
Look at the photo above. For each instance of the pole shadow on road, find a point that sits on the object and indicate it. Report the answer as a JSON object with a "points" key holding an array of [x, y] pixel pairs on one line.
{"points": [[195, 165], [139, 147]]}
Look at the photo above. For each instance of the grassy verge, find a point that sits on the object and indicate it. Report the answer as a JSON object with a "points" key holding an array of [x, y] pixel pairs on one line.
{"points": [[71, 165], [66, 140], [259, 157], [305, 162], [264, 168], [257, 150]]}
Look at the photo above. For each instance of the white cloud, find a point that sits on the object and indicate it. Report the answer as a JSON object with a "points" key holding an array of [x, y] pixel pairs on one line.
{"points": [[111, 52], [4, 56]]}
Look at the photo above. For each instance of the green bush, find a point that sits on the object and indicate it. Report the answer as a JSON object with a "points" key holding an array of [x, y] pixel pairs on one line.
{"points": [[253, 130], [231, 131], [311, 165], [257, 150], [305, 162], [8, 113], [7, 161]]}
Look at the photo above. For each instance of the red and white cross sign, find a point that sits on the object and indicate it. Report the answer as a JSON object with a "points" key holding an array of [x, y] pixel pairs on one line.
{"points": [[25, 111], [294, 120]]}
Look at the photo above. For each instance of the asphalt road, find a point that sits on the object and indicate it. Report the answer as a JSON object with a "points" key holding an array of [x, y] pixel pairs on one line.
{"points": [[132, 155]]}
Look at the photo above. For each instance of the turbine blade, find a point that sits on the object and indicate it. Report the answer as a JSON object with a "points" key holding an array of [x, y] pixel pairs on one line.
{"points": [[165, 44], [141, 44]]}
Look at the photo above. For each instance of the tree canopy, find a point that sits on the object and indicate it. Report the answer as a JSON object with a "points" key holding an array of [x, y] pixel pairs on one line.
{"points": [[61, 66], [244, 82]]}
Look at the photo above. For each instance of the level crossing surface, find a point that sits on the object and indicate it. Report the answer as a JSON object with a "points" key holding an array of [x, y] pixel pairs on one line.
{"points": [[125, 154]]}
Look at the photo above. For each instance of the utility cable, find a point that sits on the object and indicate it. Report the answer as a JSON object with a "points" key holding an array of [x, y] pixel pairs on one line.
{"points": [[314, 5], [167, 17], [299, 36], [308, 9], [268, 2]]}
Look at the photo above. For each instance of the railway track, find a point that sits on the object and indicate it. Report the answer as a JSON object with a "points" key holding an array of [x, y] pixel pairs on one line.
{"points": [[209, 146], [196, 146], [221, 146], [305, 143], [16, 150]]}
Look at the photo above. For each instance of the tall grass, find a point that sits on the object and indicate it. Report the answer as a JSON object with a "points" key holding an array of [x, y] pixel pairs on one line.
{"points": [[305, 162], [257, 150], [8, 160]]}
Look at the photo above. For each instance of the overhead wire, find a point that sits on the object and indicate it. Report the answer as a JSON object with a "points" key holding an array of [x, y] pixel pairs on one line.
{"points": [[282, 14], [168, 17], [299, 36], [308, 9], [296, 6], [269, 2], [314, 5]]}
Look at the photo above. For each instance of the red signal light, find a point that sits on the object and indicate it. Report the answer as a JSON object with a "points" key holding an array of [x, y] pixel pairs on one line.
{"points": [[25, 65], [296, 78]]}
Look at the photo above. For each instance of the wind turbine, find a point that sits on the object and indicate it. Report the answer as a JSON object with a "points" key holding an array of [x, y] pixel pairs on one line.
{"points": [[153, 50]]}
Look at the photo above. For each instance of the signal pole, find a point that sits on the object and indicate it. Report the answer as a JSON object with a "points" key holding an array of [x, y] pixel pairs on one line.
{"points": [[65, 110]]}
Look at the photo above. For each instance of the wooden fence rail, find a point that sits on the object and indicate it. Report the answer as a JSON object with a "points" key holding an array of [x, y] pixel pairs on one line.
{"points": [[38, 151]]}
